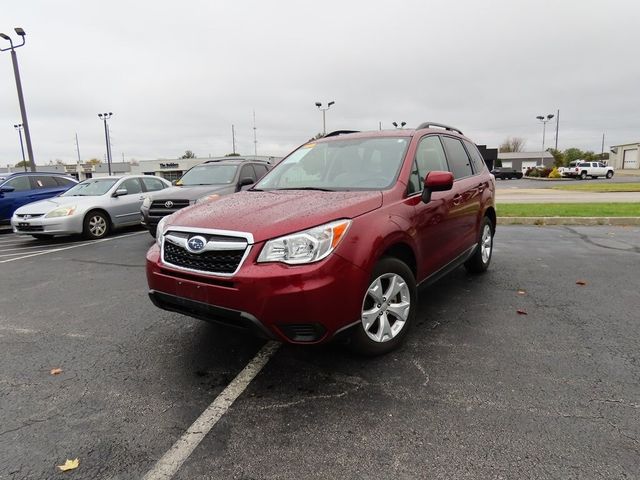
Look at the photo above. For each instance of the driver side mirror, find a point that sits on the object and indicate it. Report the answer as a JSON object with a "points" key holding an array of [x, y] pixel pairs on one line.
{"points": [[245, 181], [120, 192], [436, 182]]}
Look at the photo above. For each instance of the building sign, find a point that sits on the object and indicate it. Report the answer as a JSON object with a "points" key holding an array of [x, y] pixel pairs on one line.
{"points": [[169, 165]]}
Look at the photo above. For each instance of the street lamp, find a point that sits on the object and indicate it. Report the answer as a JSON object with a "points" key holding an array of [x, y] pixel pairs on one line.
{"points": [[402, 124], [104, 117], [16, 72], [544, 121], [324, 110], [19, 128]]}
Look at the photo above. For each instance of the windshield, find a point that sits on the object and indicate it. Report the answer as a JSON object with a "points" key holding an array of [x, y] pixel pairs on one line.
{"points": [[209, 174], [354, 164], [91, 187]]}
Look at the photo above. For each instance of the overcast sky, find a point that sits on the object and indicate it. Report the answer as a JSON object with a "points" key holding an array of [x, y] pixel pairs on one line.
{"points": [[177, 75]]}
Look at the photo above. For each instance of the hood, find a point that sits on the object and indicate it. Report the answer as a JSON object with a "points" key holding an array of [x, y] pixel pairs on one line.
{"points": [[45, 206], [191, 193], [272, 214]]}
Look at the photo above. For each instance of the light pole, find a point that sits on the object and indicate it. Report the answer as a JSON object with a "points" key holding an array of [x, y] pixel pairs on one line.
{"points": [[544, 121], [16, 72], [324, 118], [18, 127], [104, 117]]}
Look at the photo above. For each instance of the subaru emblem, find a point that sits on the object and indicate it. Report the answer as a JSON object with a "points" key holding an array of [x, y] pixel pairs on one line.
{"points": [[168, 204], [196, 244]]}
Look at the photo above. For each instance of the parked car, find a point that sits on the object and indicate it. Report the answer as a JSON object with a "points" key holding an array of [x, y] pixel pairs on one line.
{"points": [[17, 189], [506, 173], [334, 239], [581, 169], [93, 207], [209, 180]]}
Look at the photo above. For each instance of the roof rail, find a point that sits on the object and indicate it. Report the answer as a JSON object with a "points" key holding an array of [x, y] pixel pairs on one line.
{"points": [[340, 132], [441, 125]]}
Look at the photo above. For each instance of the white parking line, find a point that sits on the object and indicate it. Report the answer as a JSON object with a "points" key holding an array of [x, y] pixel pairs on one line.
{"points": [[41, 245], [171, 461], [91, 242], [20, 253]]}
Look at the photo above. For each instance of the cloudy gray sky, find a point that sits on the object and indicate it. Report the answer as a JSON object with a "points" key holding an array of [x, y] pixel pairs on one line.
{"points": [[177, 75]]}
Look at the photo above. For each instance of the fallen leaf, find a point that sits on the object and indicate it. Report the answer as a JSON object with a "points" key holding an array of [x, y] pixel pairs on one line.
{"points": [[581, 282], [69, 465], [56, 371], [521, 312], [521, 292]]}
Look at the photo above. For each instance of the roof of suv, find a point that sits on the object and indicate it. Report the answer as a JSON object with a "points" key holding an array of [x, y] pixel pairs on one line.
{"points": [[234, 161], [396, 132]]}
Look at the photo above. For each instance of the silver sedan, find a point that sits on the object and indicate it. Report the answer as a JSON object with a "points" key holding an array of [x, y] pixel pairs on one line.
{"points": [[93, 207]]}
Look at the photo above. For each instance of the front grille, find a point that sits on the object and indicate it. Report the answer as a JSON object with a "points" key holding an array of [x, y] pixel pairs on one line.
{"points": [[29, 215], [31, 228], [159, 208], [221, 261]]}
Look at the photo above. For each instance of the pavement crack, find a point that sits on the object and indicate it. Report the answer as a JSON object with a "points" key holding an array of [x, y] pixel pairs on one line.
{"points": [[96, 262], [585, 238]]}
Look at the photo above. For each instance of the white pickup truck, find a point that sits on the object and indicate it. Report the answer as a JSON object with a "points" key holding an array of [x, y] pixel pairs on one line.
{"points": [[582, 170]]}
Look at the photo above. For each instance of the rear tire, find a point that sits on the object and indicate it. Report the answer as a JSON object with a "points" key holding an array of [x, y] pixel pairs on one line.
{"points": [[96, 225], [609, 174], [481, 258], [583, 176], [388, 308]]}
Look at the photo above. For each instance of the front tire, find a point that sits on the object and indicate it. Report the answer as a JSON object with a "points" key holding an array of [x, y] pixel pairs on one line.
{"points": [[388, 308], [583, 176], [481, 258], [96, 225]]}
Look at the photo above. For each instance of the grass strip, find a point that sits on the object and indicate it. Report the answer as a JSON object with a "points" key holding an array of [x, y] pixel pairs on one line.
{"points": [[568, 209], [600, 187]]}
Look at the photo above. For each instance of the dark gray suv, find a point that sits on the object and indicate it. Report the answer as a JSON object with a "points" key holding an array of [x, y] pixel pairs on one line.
{"points": [[204, 181]]}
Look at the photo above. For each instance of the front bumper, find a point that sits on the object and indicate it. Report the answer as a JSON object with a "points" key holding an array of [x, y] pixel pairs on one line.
{"points": [[295, 304], [47, 226]]}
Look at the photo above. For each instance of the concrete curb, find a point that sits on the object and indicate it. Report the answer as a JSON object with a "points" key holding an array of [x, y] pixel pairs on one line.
{"points": [[569, 221]]}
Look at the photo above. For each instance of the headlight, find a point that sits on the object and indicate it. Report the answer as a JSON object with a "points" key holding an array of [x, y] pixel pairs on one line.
{"points": [[162, 225], [306, 246], [61, 212], [146, 202], [206, 198]]}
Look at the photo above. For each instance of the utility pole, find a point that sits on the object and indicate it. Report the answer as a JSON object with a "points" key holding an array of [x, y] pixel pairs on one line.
{"points": [[16, 73], [602, 151], [324, 118], [557, 127], [544, 121], [19, 128], [104, 117], [78, 148], [379, 125], [255, 138], [233, 138]]}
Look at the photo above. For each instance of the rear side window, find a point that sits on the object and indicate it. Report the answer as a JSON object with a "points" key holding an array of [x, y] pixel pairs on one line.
{"points": [[458, 160], [430, 157], [132, 185], [43, 181], [64, 182], [152, 184], [20, 184], [261, 170], [476, 158]]}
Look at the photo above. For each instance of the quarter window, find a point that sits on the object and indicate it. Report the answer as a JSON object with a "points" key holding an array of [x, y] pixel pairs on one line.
{"points": [[152, 184], [42, 181], [458, 158], [476, 158], [64, 182]]}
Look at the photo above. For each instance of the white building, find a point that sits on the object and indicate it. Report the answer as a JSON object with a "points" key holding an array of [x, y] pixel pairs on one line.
{"points": [[625, 156], [522, 161]]}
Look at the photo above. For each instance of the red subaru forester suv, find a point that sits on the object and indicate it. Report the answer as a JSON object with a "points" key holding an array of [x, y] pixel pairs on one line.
{"points": [[336, 237]]}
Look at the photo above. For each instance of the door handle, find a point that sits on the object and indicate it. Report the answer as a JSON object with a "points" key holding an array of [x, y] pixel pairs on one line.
{"points": [[481, 187], [457, 199]]}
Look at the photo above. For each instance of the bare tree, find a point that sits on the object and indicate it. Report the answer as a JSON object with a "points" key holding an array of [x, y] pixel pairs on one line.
{"points": [[513, 144]]}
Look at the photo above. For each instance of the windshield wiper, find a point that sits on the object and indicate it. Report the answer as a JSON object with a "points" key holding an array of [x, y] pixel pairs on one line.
{"points": [[307, 188]]}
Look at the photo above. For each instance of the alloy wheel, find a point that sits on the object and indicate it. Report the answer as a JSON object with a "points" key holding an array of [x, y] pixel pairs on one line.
{"points": [[386, 306], [486, 243], [97, 226]]}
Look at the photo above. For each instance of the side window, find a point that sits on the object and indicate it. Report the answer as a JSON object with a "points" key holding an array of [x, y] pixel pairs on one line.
{"points": [[261, 170], [247, 172], [458, 159], [430, 157], [20, 184], [63, 182], [132, 185], [476, 158], [40, 182], [152, 184]]}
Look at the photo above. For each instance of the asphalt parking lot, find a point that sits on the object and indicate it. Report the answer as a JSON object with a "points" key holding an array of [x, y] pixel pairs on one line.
{"points": [[478, 391]]}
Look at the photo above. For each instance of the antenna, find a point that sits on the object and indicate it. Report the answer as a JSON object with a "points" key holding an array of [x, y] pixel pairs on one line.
{"points": [[255, 140]]}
